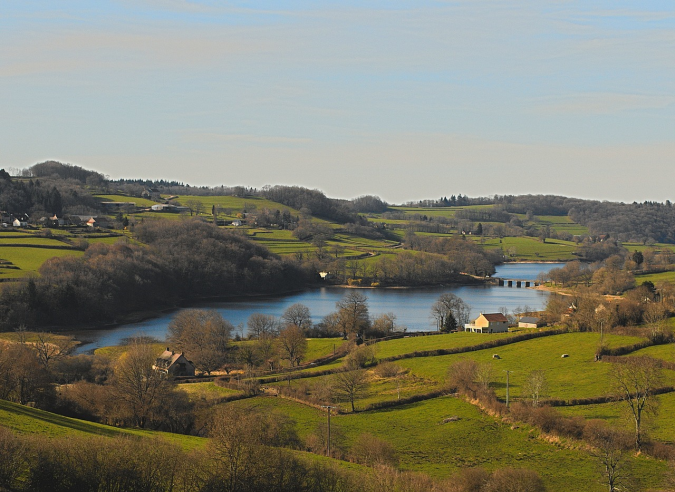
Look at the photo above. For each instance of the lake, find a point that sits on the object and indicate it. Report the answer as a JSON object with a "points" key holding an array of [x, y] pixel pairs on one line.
{"points": [[412, 307]]}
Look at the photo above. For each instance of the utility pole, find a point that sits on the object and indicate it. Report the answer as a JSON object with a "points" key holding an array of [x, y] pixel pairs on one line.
{"points": [[328, 408], [507, 387]]}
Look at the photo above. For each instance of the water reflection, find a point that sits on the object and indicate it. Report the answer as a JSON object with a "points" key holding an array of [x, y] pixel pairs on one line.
{"points": [[411, 306]]}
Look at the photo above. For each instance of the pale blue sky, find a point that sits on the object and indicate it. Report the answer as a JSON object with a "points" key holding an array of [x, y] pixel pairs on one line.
{"points": [[401, 99]]}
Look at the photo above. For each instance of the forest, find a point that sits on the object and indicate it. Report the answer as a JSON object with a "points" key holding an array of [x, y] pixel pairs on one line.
{"points": [[182, 261]]}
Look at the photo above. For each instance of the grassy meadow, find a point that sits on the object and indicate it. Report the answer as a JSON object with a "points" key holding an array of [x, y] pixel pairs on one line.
{"points": [[425, 443], [26, 420]]}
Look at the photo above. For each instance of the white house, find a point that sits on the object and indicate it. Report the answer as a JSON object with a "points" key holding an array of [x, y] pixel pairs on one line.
{"points": [[488, 323], [529, 322]]}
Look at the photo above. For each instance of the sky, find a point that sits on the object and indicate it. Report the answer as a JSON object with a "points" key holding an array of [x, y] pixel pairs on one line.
{"points": [[402, 99]]}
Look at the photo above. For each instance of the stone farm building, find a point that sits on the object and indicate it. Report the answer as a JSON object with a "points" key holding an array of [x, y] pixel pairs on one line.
{"points": [[488, 323], [173, 364]]}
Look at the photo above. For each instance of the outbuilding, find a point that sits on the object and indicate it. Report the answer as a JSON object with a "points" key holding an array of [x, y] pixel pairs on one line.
{"points": [[529, 322]]}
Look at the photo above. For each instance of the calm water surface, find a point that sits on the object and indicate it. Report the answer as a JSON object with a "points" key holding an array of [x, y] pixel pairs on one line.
{"points": [[411, 306]]}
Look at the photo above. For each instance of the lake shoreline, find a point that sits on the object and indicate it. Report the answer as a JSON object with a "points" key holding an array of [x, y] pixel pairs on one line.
{"points": [[140, 316], [411, 305]]}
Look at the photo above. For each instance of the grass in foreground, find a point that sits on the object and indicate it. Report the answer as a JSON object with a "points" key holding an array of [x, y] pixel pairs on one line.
{"points": [[26, 420], [426, 444]]}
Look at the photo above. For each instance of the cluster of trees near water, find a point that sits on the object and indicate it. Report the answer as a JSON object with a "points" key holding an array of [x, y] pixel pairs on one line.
{"points": [[182, 261]]}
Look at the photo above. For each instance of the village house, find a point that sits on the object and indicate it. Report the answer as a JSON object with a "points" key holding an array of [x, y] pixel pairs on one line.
{"points": [[151, 194], [172, 364], [488, 323]]}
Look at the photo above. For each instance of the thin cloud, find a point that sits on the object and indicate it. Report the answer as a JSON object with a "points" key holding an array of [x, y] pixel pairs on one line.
{"points": [[601, 103], [210, 137]]}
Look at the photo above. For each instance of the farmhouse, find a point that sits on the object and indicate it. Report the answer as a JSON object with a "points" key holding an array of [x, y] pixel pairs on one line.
{"points": [[529, 322], [151, 193], [172, 364], [488, 323]]}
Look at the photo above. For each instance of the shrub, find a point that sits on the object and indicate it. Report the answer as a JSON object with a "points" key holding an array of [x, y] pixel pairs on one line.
{"points": [[512, 480], [387, 370], [370, 450]]}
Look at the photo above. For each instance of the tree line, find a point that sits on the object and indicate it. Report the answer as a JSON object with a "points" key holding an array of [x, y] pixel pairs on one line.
{"points": [[183, 261]]}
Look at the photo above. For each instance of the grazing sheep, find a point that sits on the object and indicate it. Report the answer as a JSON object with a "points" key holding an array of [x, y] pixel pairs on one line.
{"points": [[496, 356], [564, 355]]}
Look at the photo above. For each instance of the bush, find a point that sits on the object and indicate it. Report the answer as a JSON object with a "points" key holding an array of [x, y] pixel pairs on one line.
{"points": [[362, 356], [388, 370], [370, 450], [13, 459], [512, 480]]}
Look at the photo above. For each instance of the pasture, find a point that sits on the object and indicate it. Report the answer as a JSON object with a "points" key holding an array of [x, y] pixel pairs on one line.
{"points": [[577, 376], [29, 259], [425, 443], [139, 201], [26, 420]]}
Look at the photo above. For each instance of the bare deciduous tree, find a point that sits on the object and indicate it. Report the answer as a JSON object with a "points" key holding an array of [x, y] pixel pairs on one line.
{"points": [[136, 383], [298, 315], [203, 336], [350, 385], [535, 386], [635, 380], [50, 347], [450, 312], [609, 447], [353, 316], [262, 325], [292, 344]]}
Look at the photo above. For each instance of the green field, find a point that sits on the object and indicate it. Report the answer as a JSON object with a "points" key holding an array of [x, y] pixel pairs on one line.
{"points": [[660, 426], [532, 249], [140, 202], [321, 347], [657, 247], [663, 352], [207, 391], [655, 278], [409, 345], [235, 204], [576, 376], [30, 240], [559, 223], [426, 444], [28, 259], [26, 420]]}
